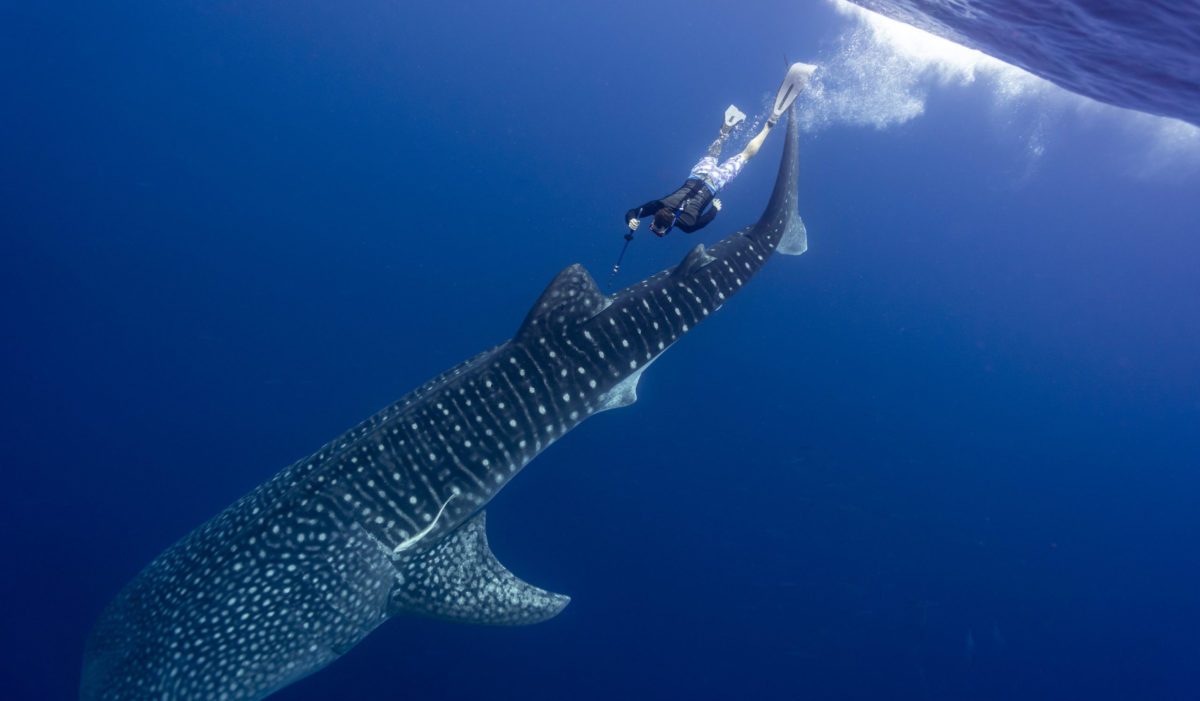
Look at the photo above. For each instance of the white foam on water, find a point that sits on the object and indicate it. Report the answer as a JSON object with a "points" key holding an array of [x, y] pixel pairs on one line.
{"points": [[882, 73], [883, 70]]}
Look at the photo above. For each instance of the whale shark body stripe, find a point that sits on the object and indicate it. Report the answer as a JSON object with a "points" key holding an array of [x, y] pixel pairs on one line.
{"points": [[387, 518]]}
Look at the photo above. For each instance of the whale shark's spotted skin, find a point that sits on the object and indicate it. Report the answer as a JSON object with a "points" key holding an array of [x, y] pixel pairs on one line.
{"points": [[388, 519]]}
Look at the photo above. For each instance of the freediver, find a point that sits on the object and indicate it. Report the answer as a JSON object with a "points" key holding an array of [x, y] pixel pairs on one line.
{"points": [[688, 207]]}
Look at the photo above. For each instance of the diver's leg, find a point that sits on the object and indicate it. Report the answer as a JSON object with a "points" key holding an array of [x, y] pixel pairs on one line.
{"points": [[733, 117], [755, 143], [714, 149]]}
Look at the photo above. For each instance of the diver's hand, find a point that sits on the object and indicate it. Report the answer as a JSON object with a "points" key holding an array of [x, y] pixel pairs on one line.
{"points": [[633, 224], [716, 203]]}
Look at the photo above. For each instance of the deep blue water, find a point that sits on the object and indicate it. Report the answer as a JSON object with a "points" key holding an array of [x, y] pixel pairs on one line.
{"points": [[967, 413]]}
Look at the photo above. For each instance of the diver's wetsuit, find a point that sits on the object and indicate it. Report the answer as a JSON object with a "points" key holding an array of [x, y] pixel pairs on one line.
{"points": [[703, 183], [694, 196]]}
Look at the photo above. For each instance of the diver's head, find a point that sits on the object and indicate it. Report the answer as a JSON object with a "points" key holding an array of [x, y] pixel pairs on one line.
{"points": [[664, 219]]}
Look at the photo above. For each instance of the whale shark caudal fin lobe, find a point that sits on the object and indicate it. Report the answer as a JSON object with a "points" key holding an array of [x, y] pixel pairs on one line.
{"points": [[780, 224], [460, 580], [571, 297], [795, 237]]}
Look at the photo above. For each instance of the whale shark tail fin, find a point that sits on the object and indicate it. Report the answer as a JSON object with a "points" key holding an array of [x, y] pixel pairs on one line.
{"points": [[780, 225], [795, 237]]}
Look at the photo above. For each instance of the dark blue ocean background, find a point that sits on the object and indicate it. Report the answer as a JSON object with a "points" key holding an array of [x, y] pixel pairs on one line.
{"points": [[951, 452]]}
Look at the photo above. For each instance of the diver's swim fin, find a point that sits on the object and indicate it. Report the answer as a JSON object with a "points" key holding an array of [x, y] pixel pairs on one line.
{"points": [[733, 117], [793, 84]]}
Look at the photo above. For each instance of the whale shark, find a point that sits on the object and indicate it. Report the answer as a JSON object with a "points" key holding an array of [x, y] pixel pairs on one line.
{"points": [[388, 519]]}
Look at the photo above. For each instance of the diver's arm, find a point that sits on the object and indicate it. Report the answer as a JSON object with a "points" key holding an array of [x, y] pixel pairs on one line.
{"points": [[708, 216], [645, 210]]}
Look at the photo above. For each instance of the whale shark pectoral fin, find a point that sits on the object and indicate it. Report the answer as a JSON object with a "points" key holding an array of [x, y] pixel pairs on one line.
{"points": [[696, 258], [621, 394], [570, 298], [460, 580]]}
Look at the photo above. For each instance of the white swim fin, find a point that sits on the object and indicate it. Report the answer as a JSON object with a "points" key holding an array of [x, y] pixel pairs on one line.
{"points": [[793, 84], [733, 117]]}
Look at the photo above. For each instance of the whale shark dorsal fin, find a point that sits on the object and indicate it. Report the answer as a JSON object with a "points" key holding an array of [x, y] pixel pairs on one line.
{"points": [[696, 258], [460, 580], [571, 297]]}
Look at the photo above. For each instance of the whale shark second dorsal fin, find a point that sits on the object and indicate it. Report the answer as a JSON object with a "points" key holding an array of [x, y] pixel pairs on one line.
{"points": [[460, 580], [570, 298]]}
